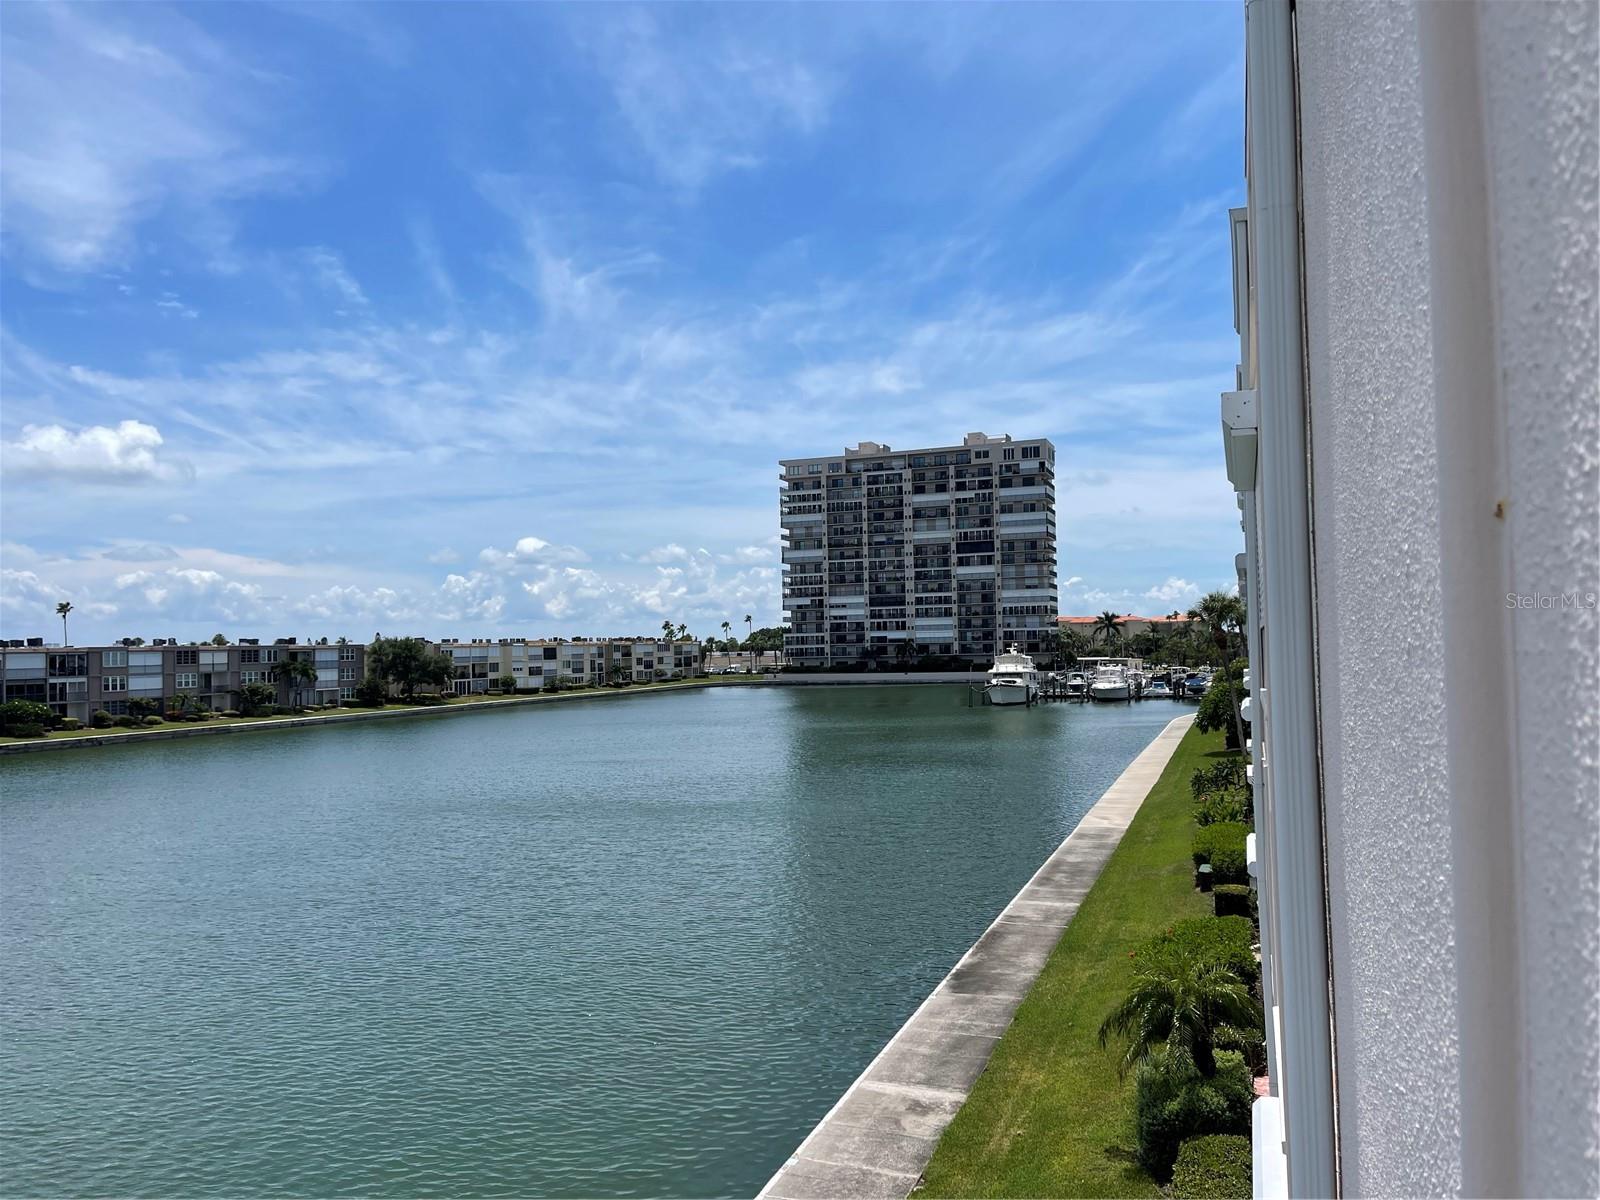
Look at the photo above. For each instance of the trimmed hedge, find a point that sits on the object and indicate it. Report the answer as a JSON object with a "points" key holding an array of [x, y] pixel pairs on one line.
{"points": [[152, 720], [1215, 1167], [1232, 900], [127, 721], [101, 719], [1227, 941], [1173, 1103], [1222, 845], [70, 724]]}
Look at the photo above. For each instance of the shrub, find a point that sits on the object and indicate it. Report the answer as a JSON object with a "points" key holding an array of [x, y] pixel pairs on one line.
{"points": [[125, 721], [144, 706], [1227, 804], [70, 724], [427, 699], [1228, 941], [1222, 845], [282, 710], [1218, 777], [1215, 1167], [1231, 900], [19, 715], [372, 691], [229, 712], [1173, 1102], [152, 719], [100, 719]]}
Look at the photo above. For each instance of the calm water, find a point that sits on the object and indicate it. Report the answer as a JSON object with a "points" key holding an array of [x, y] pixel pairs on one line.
{"points": [[617, 948]]}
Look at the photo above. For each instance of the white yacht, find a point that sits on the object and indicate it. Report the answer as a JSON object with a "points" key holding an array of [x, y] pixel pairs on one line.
{"points": [[1077, 685], [1013, 679], [1110, 682]]}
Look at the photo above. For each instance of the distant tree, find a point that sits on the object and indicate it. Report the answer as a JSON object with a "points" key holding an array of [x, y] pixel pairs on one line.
{"points": [[372, 691], [218, 639], [184, 704], [683, 631], [666, 630], [727, 631], [254, 698], [508, 683], [749, 626], [1108, 627], [62, 610], [1222, 614], [25, 718], [1184, 1002], [144, 706], [409, 663], [293, 673], [767, 638]]}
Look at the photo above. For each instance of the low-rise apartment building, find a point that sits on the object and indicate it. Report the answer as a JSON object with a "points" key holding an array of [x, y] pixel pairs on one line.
{"points": [[536, 663], [949, 551], [77, 681]]}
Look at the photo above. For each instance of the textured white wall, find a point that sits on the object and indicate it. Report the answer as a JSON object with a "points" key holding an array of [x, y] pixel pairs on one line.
{"points": [[1375, 514], [1538, 63], [1375, 413]]}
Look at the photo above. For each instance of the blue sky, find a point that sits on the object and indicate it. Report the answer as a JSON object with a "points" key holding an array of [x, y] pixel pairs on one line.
{"points": [[495, 319]]}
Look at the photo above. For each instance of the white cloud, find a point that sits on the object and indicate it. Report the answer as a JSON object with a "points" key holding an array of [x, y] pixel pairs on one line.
{"points": [[530, 550], [129, 452], [178, 518], [1175, 592], [444, 557]]}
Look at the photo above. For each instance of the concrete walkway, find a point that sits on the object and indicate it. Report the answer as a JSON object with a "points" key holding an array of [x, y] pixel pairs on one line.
{"points": [[877, 1139]]}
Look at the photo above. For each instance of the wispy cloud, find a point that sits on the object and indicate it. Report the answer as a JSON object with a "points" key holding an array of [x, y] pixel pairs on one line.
{"points": [[698, 98], [111, 120]]}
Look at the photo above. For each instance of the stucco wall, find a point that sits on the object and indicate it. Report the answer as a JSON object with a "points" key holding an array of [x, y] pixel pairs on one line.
{"points": [[1381, 675], [1540, 104], [1402, 965]]}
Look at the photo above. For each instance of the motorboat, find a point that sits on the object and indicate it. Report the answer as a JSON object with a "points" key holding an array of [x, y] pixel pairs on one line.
{"points": [[1159, 691], [1077, 685], [1196, 685], [1013, 679], [1110, 683]]}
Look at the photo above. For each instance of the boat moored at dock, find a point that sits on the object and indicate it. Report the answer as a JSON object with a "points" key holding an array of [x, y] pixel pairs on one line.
{"points": [[1013, 679]]}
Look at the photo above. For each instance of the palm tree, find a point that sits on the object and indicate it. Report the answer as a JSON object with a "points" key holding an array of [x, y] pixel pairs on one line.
{"points": [[683, 631], [1108, 626], [749, 632], [62, 610], [666, 630], [294, 672], [1184, 1002], [1222, 614]]}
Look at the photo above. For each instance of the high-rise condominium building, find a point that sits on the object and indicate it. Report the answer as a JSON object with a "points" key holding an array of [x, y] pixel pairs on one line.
{"points": [[948, 551]]}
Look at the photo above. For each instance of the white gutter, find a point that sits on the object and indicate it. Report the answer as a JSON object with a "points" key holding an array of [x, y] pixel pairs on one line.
{"points": [[1299, 887]]}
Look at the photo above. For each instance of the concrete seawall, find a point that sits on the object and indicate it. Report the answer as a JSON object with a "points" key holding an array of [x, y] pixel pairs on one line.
{"points": [[880, 1135], [167, 733]]}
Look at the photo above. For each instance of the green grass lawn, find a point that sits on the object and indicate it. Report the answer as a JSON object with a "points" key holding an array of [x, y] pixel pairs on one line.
{"points": [[332, 714], [1050, 1116]]}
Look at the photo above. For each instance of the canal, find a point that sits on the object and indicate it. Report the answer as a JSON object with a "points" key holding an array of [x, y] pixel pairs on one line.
{"points": [[625, 947]]}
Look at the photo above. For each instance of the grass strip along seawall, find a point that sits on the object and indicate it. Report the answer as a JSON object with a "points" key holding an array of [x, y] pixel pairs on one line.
{"points": [[1051, 1116]]}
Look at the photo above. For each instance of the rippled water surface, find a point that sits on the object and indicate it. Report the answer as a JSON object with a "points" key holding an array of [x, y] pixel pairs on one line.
{"points": [[623, 947]]}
